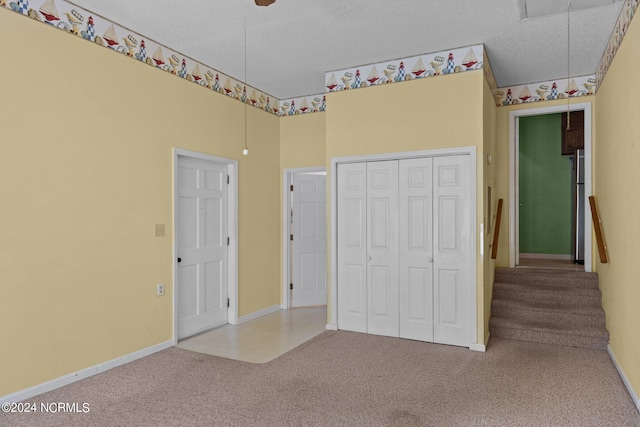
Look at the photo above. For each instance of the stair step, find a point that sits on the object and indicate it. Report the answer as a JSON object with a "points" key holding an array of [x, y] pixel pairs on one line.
{"points": [[590, 297], [543, 332], [564, 314], [548, 277]]}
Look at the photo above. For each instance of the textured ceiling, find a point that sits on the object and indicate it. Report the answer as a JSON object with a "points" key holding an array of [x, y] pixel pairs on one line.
{"points": [[292, 43]]}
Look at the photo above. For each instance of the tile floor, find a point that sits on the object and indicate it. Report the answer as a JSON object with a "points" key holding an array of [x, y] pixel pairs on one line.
{"points": [[262, 339]]}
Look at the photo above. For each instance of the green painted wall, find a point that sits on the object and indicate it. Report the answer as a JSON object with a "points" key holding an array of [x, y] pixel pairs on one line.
{"points": [[545, 187]]}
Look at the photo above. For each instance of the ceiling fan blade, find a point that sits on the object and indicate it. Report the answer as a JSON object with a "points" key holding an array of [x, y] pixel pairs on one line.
{"points": [[264, 2]]}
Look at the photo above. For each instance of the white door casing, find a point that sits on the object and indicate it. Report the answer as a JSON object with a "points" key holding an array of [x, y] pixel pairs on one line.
{"points": [[513, 176], [309, 247], [201, 245]]}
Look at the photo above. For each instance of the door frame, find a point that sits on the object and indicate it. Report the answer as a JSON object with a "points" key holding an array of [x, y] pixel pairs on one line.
{"points": [[333, 188], [514, 149], [232, 229], [287, 180]]}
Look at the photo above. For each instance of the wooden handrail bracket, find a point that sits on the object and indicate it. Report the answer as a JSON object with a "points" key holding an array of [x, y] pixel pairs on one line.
{"points": [[496, 233], [597, 225]]}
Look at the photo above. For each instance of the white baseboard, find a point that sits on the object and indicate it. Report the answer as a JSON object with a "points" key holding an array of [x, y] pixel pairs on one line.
{"points": [[31, 392], [633, 394], [546, 256], [331, 327], [259, 313], [481, 347]]}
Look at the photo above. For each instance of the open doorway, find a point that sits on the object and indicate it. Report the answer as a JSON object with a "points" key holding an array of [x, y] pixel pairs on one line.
{"points": [[304, 238], [550, 232], [546, 221]]}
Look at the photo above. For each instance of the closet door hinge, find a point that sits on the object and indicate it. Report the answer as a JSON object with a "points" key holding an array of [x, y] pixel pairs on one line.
{"points": [[291, 187], [291, 237], [228, 241], [291, 286], [228, 303], [228, 179]]}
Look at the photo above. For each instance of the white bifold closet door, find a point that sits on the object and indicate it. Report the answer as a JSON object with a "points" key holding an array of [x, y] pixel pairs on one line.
{"points": [[382, 248], [352, 249], [404, 248], [416, 249]]}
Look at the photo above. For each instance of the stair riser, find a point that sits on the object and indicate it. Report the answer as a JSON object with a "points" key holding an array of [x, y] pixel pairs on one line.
{"points": [[548, 297], [570, 319], [598, 343], [547, 281], [547, 306]]}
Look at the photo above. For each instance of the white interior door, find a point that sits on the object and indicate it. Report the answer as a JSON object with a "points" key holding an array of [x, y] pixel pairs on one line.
{"points": [[382, 248], [452, 249], [202, 249], [352, 247], [309, 244], [416, 249]]}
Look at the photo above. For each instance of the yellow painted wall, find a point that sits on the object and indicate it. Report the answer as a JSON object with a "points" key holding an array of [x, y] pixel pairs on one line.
{"points": [[302, 144], [617, 165], [259, 213], [432, 113], [489, 142], [303, 141], [85, 173]]}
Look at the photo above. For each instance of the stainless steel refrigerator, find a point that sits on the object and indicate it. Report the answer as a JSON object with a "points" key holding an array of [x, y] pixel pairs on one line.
{"points": [[578, 205]]}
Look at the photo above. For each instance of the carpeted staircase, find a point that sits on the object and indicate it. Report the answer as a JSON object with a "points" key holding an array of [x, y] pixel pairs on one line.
{"points": [[548, 306]]}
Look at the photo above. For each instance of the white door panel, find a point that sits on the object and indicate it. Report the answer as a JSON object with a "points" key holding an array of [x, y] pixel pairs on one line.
{"points": [[309, 248], [452, 252], [416, 249], [201, 246], [352, 250], [382, 251]]}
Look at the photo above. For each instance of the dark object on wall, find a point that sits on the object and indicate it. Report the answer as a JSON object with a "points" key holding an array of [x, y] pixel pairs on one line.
{"points": [[496, 233], [597, 225], [264, 2], [573, 139]]}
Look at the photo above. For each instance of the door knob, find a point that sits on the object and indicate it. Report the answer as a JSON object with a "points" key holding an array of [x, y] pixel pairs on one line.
{"points": [[369, 258], [430, 259], [179, 259]]}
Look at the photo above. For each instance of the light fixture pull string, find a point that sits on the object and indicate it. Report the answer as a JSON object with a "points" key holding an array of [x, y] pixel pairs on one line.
{"points": [[245, 78], [568, 64]]}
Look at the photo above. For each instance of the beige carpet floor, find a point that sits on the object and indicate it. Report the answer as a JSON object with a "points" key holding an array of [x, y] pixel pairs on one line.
{"points": [[350, 379]]}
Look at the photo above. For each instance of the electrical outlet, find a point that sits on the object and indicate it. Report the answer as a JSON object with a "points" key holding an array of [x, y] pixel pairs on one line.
{"points": [[160, 289]]}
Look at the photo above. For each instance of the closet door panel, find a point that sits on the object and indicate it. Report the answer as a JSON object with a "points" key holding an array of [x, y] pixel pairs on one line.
{"points": [[416, 248], [452, 253], [382, 251], [352, 247]]}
